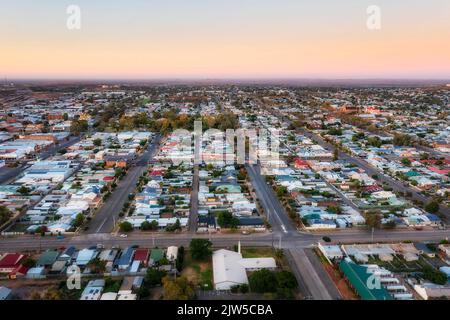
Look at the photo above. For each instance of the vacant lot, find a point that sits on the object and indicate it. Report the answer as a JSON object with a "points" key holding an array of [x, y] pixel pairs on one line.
{"points": [[198, 272]]}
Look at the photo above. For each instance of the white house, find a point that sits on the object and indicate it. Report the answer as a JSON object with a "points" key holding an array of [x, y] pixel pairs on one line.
{"points": [[84, 256], [172, 253], [230, 269]]}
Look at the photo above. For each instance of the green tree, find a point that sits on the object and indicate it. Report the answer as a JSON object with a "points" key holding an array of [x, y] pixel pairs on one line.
{"points": [[286, 279], [78, 126], [373, 219], [147, 225], [79, 219], [97, 142], [97, 266], [244, 288], [432, 206], [177, 289], [226, 219], [200, 249], [174, 226], [154, 277], [406, 162], [335, 132], [180, 259], [29, 262], [262, 281], [23, 190], [125, 226], [335, 154], [434, 275], [374, 142]]}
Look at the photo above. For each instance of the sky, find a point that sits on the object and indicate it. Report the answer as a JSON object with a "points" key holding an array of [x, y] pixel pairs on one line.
{"points": [[154, 39]]}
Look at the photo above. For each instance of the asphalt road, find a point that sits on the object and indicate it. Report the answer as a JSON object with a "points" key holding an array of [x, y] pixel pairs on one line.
{"points": [[47, 153], [322, 274], [307, 275], [193, 213], [275, 213], [7, 174], [396, 185], [104, 220], [149, 240]]}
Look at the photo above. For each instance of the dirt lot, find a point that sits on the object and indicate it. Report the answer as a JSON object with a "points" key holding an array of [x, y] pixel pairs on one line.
{"points": [[198, 272], [24, 288]]}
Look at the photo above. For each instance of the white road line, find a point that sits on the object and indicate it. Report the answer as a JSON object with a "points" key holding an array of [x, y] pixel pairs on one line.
{"points": [[104, 221]]}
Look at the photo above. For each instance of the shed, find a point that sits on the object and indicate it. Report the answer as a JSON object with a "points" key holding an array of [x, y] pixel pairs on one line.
{"points": [[5, 293], [58, 266], [137, 282], [109, 296], [156, 255], [172, 253], [36, 273]]}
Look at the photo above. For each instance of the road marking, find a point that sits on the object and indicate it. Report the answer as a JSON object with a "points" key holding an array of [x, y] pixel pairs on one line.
{"points": [[104, 221]]}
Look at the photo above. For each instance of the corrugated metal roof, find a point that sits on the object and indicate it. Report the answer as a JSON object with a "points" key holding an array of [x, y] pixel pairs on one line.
{"points": [[358, 277]]}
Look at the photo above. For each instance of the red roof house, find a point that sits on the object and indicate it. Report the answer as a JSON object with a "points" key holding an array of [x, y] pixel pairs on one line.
{"points": [[10, 262], [300, 164], [19, 271], [141, 255], [439, 171]]}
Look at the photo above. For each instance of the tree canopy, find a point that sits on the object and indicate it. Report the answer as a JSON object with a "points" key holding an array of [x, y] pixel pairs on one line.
{"points": [[200, 249]]}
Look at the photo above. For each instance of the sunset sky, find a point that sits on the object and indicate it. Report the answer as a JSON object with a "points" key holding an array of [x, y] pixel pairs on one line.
{"points": [[147, 39]]}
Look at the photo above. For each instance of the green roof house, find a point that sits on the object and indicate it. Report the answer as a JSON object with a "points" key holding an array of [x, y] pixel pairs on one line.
{"points": [[358, 276], [156, 255], [48, 258]]}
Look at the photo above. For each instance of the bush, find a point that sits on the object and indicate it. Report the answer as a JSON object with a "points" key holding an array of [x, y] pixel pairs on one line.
{"points": [[244, 288], [234, 289]]}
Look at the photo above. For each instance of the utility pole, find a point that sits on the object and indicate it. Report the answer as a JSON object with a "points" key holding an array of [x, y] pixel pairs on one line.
{"points": [[272, 241], [373, 229]]}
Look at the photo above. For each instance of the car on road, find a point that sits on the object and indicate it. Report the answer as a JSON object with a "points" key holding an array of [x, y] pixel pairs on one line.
{"points": [[59, 237], [123, 235], [246, 232]]}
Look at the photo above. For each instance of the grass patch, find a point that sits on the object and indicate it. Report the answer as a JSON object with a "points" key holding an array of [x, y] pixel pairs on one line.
{"points": [[258, 253], [198, 272], [206, 279]]}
